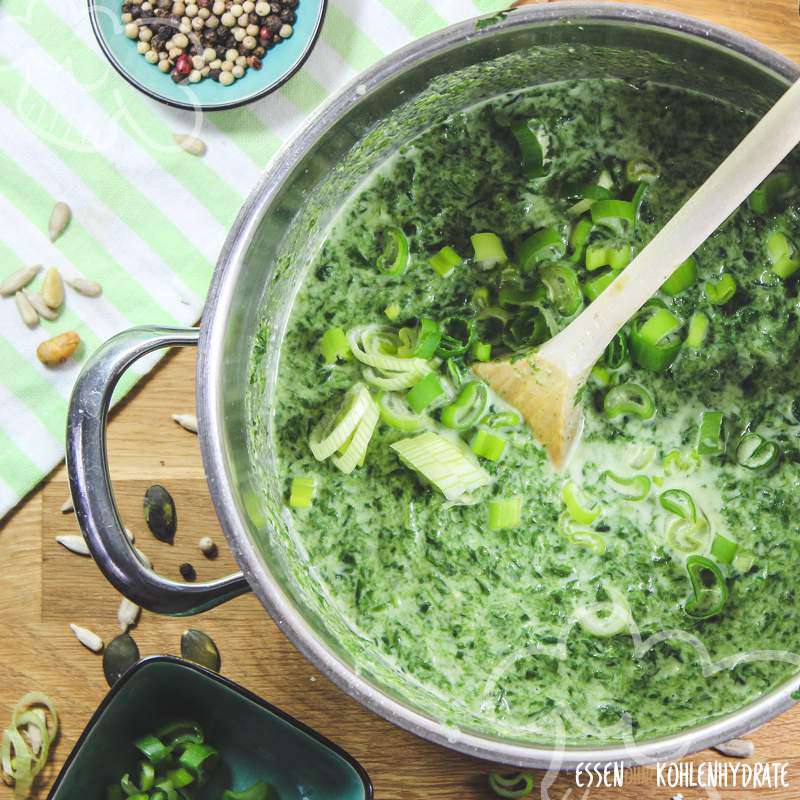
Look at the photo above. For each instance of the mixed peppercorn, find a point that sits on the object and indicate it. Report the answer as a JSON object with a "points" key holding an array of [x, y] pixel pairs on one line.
{"points": [[218, 39]]}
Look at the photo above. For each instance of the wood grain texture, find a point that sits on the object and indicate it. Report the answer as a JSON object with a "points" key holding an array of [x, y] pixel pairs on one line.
{"points": [[43, 587]]}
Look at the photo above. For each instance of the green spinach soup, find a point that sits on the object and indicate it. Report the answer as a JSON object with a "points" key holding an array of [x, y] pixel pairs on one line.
{"points": [[648, 587]]}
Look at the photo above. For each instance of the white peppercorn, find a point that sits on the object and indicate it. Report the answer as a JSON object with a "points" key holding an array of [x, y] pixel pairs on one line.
{"points": [[231, 55], [249, 42], [286, 31], [251, 30], [126, 18], [151, 56], [179, 40], [132, 30], [191, 10], [238, 72], [198, 23], [142, 48], [145, 34], [242, 61], [262, 9], [227, 66], [236, 10], [163, 65], [203, 13], [195, 76], [218, 8], [147, 6], [185, 27], [209, 54], [243, 21], [178, 8], [239, 34], [216, 64], [228, 20], [248, 6], [205, 71], [174, 52], [197, 62], [226, 78], [212, 22]]}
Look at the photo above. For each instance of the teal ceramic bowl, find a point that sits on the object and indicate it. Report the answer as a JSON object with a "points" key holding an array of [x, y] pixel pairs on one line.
{"points": [[256, 740], [279, 64]]}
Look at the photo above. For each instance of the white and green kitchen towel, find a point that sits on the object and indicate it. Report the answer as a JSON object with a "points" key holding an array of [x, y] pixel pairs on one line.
{"points": [[148, 219]]}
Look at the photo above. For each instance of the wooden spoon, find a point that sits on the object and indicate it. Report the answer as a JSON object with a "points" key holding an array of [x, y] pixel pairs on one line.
{"points": [[544, 384]]}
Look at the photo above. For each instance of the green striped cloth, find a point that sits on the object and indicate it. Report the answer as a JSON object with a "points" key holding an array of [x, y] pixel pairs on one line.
{"points": [[148, 219]]}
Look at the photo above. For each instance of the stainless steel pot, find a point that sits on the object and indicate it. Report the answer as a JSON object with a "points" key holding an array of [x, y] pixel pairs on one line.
{"points": [[259, 270]]}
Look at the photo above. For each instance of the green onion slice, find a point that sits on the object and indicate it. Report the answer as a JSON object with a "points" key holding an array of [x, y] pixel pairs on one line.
{"points": [[756, 453], [723, 549], [421, 341], [458, 334], [641, 169], [677, 461], [684, 276], [511, 785], [489, 250], [743, 561], [710, 441], [487, 445], [770, 192], [629, 398], [442, 463], [481, 351], [710, 593], [302, 491], [579, 238], [180, 732], [783, 254], [697, 331], [616, 354], [512, 295], [679, 503], [588, 538], [593, 288], [445, 261], [577, 506], [654, 338], [563, 289], [527, 329], [392, 311], [634, 488], [721, 291], [468, 408], [334, 346], [502, 419], [153, 748], [425, 392], [617, 215], [394, 258], [545, 244], [258, 791], [197, 759], [335, 430], [602, 255], [505, 512], [687, 535], [605, 619], [533, 144], [394, 411]]}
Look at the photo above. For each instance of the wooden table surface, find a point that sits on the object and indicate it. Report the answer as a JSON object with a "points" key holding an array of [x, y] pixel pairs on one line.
{"points": [[43, 588]]}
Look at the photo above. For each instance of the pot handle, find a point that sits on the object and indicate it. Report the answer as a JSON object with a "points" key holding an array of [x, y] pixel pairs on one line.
{"points": [[90, 484]]}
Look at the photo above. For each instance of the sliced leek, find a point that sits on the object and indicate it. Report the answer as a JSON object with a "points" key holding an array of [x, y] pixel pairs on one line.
{"points": [[334, 430], [351, 454]]}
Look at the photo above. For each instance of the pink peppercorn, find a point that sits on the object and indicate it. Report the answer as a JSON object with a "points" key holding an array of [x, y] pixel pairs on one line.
{"points": [[183, 64]]}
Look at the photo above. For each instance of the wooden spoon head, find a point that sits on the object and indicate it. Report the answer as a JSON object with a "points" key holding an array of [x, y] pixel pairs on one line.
{"points": [[544, 394]]}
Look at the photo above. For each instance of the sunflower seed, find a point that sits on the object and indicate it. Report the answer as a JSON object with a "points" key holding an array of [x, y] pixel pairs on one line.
{"points": [[37, 301], [75, 543], [191, 144], [53, 288], [87, 638], [127, 614], [59, 219], [736, 748], [199, 647], [159, 513], [67, 505], [120, 655], [18, 280], [85, 287], [187, 421], [26, 310]]}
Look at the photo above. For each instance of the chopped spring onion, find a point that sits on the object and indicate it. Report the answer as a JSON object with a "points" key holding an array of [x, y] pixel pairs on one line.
{"points": [[721, 291], [589, 193], [335, 430], [511, 785], [576, 505], [302, 492], [505, 512], [488, 249], [606, 618], [679, 503], [502, 419], [602, 255], [709, 591], [593, 288], [351, 454], [421, 341], [697, 330], [684, 276], [487, 445], [677, 461], [563, 289], [527, 329], [687, 535], [600, 375], [640, 169], [710, 441], [783, 255], [392, 311], [723, 549], [442, 463], [445, 261], [458, 334], [512, 295], [635, 487], [394, 258], [617, 215], [533, 143], [481, 351], [480, 297], [424, 393], [773, 189], [629, 398], [258, 791], [377, 346], [394, 411], [643, 456], [545, 244], [334, 346], [468, 408], [654, 338], [578, 239], [456, 371], [586, 537], [616, 354], [756, 453], [743, 561]]}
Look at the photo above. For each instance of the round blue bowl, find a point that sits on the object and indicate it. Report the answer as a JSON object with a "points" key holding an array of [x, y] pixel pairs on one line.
{"points": [[279, 64]]}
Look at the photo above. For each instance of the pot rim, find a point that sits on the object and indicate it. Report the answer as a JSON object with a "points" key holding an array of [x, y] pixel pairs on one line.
{"points": [[209, 364]]}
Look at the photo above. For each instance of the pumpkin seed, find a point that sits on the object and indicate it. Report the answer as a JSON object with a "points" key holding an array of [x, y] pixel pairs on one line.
{"points": [[191, 144], [59, 219], [26, 311], [85, 287], [199, 647], [120, 655], [159, 513], [18, 280], [53, 288], [186, 421], [87, 638]]}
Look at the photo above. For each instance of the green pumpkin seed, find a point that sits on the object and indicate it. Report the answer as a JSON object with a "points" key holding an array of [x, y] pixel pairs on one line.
{"points": [[120, 654], [159, 513], [198, 647]]}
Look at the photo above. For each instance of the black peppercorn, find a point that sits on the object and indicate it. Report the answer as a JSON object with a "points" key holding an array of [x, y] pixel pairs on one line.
{"points": [[288, 16], [274, 23], [188, 572], [214, 74]]}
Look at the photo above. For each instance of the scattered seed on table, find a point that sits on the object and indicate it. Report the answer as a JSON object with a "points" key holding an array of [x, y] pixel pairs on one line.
{"points": [[18, 280], [127, 614], [58, 349], [736, 748], [120, 655], [143, 557], [87, 638], [59, 219], [199, 647], [129, 534], [53, 288], [67, 505], [42, 309], [85, 287], [187, 421], [191, 144], [27, 312], [208, 547], [159, 513], [75, 543], [188, 572]]}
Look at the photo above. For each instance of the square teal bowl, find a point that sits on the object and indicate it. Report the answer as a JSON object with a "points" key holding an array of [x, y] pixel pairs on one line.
{"points": [[279, 63], [256, 740]]}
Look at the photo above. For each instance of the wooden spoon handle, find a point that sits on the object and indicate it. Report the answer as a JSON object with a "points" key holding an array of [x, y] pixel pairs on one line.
{"points": [[583, 341]]}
